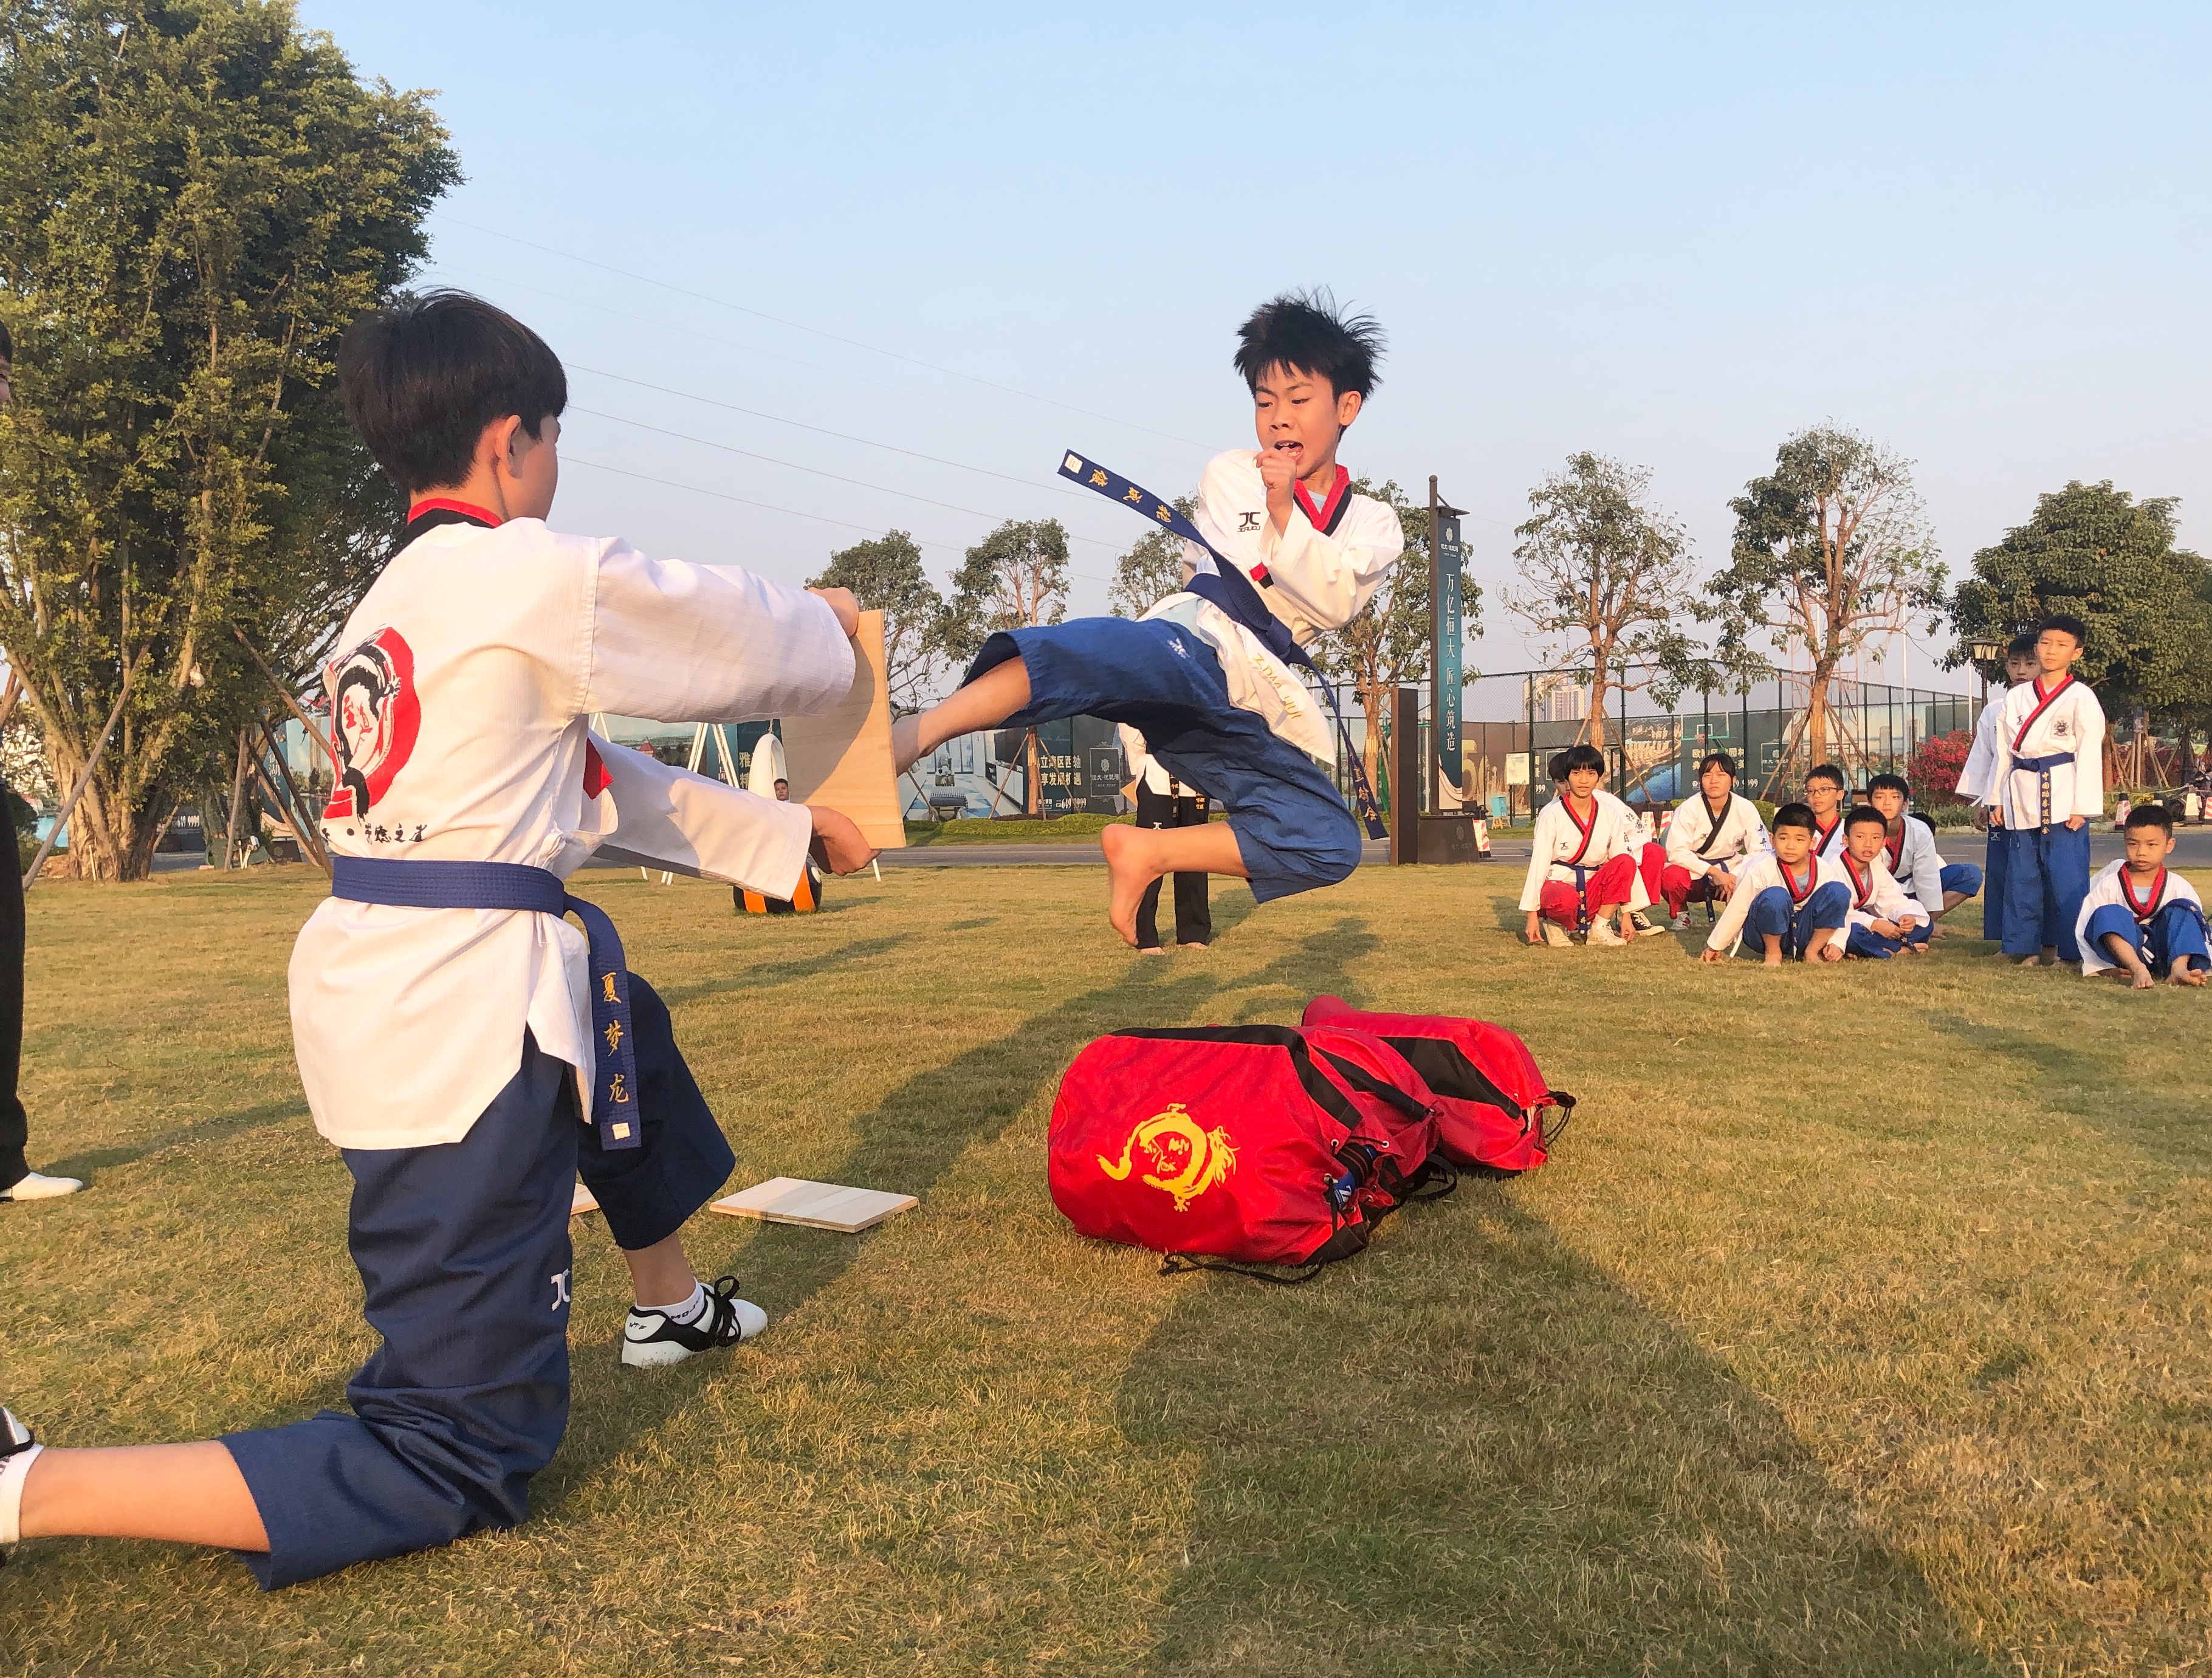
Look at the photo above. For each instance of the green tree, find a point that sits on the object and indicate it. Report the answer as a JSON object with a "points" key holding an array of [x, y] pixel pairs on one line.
{"points": [[1015, 576], [1150, 571], [1602, 567], [2100, 555], [196, 198], [885, 575], [1832, 547]]}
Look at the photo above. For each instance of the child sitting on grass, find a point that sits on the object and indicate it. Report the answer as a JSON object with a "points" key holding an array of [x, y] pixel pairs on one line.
{"points": [[1883, 919], [2138, 918], [1793, 902]]}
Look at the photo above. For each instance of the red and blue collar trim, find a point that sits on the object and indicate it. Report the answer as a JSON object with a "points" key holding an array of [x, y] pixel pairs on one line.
{"points": [[1325, 517], [436, 510]]}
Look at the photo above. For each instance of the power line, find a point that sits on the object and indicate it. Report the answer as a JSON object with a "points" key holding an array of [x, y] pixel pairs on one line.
{"points": [[835, 338], [819, 519], [857, 482]]}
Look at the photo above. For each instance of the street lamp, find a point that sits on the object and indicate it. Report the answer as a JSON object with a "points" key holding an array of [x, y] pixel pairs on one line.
{"points": [[1986, 653]]}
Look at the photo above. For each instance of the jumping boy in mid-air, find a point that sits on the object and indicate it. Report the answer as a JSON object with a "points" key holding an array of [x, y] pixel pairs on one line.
{"points": [[2136, 918], [2047, 786], [1793, 902], [1218, 709], [468, 1051], [1883, 919], [1976, 781], [1936, 886]]}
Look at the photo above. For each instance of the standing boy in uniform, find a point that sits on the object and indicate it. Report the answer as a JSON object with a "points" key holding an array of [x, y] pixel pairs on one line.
{"points": [[445, 1014], [2048, 786], [1217, 705], [1711, 837], [1976, 784], [1793, 902], [1582, 860], [2137, 919]]}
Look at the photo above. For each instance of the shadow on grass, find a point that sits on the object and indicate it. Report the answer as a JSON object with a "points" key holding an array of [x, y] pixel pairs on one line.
{"points": [[2168, 1124], [766, 975], [1467, 1450], [214, 1129]]}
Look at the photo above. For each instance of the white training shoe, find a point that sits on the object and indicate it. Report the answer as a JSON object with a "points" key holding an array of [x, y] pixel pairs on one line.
{"points": [[652, 1338], [37, 1186], [1679, 924], [1602, 932], [1556, 935], [18, 1450]]}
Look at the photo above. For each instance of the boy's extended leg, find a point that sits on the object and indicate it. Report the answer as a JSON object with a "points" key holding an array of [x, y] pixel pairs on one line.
{"points": [[2114, 931], [2178, 935], [985, 702], [1136, 858]]}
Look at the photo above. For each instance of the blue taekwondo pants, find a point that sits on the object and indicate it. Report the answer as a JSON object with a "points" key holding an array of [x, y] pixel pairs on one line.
{"points": [[1293, 829], [1963, 877], [1866, 942], [463, 1250], [1995, 852], [2176, 933], [1771, 914], [2046, 877]]}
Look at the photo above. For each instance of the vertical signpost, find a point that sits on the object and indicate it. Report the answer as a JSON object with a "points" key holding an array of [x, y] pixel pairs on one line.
{"points": [[1446, 560]]}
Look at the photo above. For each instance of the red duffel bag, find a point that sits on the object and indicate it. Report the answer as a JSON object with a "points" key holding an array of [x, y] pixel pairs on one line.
{"points": [[1240, 1142], [1494, 1110]]}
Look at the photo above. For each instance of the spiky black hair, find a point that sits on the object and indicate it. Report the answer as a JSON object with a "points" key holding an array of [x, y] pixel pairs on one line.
{"points": [[1795, 815], [1307, 331], [2151, 815]]}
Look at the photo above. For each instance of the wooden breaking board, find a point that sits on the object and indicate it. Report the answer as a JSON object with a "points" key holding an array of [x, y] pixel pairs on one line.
{"points": [[842, 758], [818, 1206], [582, 1202]]}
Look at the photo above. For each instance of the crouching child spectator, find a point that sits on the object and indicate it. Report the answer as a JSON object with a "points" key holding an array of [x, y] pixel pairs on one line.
{"points": [[1582, 863], [1710, 840], [1883, 918], [1793, 902], [2138, 920]]}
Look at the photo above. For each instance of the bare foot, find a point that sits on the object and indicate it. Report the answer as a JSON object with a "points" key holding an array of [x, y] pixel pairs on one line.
{"points": [[2183, 974], [906, 741], [1774, 958], [2029, 961], [2142, 979], [1127, 873]]}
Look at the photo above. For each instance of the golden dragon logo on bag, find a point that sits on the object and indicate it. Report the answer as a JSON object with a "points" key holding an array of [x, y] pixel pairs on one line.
{"points": [[1185, 1160]]}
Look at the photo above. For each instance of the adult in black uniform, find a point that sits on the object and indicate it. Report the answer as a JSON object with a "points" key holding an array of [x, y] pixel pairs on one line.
{"points": [[1163, 801], [18, 1182]]}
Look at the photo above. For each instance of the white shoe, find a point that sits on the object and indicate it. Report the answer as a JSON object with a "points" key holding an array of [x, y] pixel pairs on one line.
{"points": [[652, 1338], [37, 1186], [1556, 935], [1679, 924], [18, 1450], [1602, 933]]}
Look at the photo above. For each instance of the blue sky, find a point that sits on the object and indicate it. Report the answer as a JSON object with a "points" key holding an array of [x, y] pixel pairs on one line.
{"points": [[987, 235]]}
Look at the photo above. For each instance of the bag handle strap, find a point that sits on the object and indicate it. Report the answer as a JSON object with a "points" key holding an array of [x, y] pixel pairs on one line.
{"points": [[1177, 1263], [1368, 1084]]}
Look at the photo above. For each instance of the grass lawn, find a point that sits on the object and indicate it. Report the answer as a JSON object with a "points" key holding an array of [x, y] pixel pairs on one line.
{"points": [[1860, 1325]]}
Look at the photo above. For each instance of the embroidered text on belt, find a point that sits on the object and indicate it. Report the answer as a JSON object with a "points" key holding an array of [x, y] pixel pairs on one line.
{"points": [[2041, 767], [510, 885]]}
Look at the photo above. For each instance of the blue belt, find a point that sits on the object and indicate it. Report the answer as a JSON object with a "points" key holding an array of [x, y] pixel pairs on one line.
{"points": [[510, 885], [2041, 769]]}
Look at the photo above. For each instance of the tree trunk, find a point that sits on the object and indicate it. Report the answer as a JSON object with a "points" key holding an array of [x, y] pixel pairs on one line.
{"points": [[1600, 684], [1035, 793], [1816, 713]]}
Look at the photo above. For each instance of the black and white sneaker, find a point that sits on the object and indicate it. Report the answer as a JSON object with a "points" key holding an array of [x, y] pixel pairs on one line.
{"points": [[652, 1337]]}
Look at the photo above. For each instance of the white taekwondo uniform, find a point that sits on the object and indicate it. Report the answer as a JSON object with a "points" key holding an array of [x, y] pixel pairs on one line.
{"points": [[1755, 876], [1696, 842], [1876, 894], [460, 694], [1559, 844], [1319, 576], [1975, 778], [1914, 862], [2066, 722], [2108, 887], [1830, 843]]}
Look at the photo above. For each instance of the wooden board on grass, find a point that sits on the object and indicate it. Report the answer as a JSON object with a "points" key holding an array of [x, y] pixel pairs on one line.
{"points": [[582, 1202], [818, 1206], [842, 758]]}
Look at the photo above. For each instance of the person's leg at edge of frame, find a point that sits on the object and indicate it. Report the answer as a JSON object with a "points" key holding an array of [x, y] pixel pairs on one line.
{"points": [[1193, 896], [2117, 937]]}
